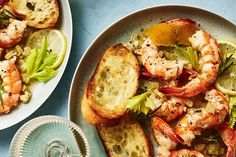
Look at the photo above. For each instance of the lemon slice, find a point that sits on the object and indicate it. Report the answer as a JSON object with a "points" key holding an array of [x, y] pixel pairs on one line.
{"points": [[228, 47], [56, 43], [227, 82]]}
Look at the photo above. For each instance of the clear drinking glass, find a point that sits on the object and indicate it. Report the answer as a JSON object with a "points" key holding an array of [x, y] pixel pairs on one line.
{"points": [[49, 136]]}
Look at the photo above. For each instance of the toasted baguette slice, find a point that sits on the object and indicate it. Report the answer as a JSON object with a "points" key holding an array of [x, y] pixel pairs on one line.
{"points": [[38, 13], [114, 81], [126, 139], [92, 118]]}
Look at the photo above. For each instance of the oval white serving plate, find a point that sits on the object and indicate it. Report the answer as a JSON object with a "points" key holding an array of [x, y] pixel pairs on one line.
{"points": [[120, 31], [42, 91]]}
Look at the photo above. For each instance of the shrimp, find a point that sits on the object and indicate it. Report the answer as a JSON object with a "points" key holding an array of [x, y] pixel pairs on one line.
{"points": [[172, 108], [11, 85], [228, 135], [165, 136], [12, 34], [157, 65], [168, 139], [186, 153], [169, 109], [199, 119], [208, 67]]}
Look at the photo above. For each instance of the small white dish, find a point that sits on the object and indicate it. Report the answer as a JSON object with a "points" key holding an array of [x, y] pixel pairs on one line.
{"points": [[49, 136]]}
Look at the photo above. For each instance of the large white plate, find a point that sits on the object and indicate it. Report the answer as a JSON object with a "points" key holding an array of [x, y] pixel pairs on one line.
{"points": [[43, 90], [120, 31]]}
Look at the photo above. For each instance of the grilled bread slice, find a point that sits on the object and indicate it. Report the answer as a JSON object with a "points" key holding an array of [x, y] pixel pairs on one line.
{"points": [[92, 118], [114, 81], [38, 13], [126, 139]]}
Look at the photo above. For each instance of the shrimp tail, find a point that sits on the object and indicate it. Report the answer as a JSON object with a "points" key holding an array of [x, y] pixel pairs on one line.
{"points": [[171, 90], [231, 152], [162, 125], [228, 135], [145, 74], [3, 3]]}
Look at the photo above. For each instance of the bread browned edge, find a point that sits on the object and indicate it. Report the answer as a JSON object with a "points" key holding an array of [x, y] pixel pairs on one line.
{"points": [[92, 118], [90, 85], [148, 140], [50, 23]]}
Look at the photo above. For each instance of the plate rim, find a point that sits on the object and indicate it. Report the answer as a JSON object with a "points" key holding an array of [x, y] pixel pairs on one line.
{"points": [[66, 59], [117, 21]]}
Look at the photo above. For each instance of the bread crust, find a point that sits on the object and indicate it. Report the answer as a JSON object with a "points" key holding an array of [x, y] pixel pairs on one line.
{"points": [[38, 13], [121, 77], [106, 142], [92, 118]]}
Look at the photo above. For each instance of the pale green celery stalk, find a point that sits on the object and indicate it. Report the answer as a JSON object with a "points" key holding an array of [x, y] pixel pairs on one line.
{"points": [[189, 54], [44, 75], [143, 108], [135, 100], [193, 57], [149, 104], [30, 62], [41, 54], [140, 103], [48, 61]]}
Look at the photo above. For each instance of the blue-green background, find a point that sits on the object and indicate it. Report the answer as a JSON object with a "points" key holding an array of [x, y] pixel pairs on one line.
{"points": [[90, 17]]}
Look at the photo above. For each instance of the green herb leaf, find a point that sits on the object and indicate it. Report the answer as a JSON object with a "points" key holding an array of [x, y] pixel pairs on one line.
{"points": [[5, 15], [225, 64], [232, 111], [212, 139]]}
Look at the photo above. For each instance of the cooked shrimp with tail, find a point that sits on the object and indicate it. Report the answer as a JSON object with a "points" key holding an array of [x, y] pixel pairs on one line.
{"points": [[157, 65], [11, 35], [228, 135], [208, 67], [168, 139], [172, 107], [165, 136], [200, 119], [11, 85]]}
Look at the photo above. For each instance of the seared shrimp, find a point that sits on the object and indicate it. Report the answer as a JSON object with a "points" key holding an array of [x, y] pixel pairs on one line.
{"points": [[11, 85], [186, 153], [199, 119], [208, 65], [228, 135], [165, 136], [157, 65], [12, 34], [173, 107]]}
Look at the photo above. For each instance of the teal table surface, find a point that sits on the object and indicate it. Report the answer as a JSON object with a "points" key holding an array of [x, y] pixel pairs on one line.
{"points": [[90, 18]]}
